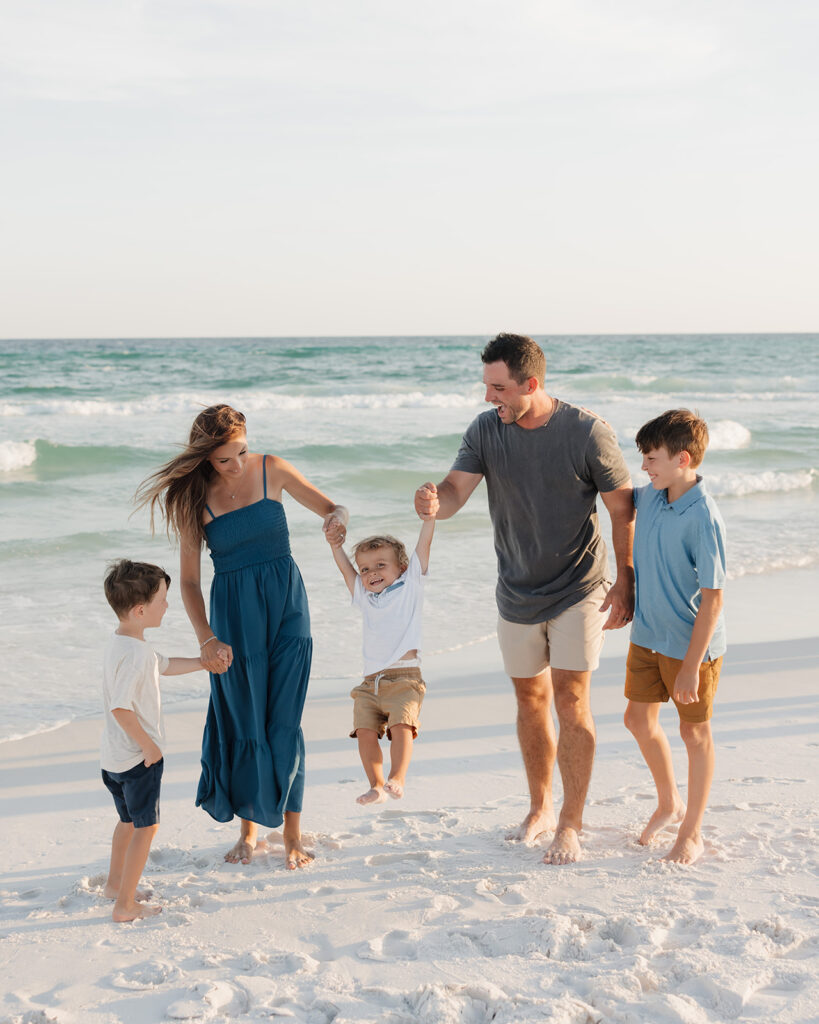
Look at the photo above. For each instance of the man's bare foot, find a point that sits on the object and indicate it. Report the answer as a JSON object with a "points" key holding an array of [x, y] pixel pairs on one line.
{"points": [[534, 824], [141, 895], [135, 912], [241, 852], [687, 850], [394, 788], [660, 820], [565, 847], [295, 855], [376, 795]]}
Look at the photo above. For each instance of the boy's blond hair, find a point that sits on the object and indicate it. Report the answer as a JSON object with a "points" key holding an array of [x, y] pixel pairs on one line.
{"points": [[383, 541], [678, 430]]}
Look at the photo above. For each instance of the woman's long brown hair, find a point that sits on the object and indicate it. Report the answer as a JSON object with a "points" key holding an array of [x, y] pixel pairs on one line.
{"points": [[180, 487]]}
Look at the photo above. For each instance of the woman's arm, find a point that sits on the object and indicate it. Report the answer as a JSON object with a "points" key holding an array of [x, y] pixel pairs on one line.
{"points": [[216, 656], [285, 477]]}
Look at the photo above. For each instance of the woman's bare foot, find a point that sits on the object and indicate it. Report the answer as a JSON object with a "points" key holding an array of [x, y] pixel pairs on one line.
{"points": [[376, 795], [661, 819], [135, 912], [295, 855], [242, 852], [394, 788], [687, 850], [565, 847], [533, 825]]}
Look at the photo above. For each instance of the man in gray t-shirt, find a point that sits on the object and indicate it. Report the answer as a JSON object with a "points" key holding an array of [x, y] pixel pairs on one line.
{"points": [[544, 463]]}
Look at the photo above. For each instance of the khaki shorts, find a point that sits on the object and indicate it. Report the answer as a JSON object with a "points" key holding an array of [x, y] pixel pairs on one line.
{"points": [[650, 679], [385, 699], [572, 640]]}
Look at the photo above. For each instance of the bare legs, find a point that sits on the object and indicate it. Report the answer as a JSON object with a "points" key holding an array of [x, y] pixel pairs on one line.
{"points": [[643, 721], [245, 844], [369, 750], [129, 853], [295, 854], [573, 750]]}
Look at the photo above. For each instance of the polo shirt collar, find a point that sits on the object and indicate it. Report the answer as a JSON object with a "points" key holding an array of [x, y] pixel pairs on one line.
{"points": [[691, 496]]}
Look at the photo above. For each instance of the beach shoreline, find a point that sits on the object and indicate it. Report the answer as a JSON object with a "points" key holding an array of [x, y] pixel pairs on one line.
{"points": [[419, 909]]}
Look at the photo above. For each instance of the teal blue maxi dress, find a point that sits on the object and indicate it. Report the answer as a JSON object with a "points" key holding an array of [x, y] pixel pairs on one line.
{"points": [[253, 747]]}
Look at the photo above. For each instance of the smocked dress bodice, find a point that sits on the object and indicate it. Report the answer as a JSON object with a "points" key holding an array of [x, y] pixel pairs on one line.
{"points": [[248, 536]]}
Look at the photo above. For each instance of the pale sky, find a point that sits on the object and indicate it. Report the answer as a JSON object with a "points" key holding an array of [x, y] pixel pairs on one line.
{"points": [[254, 167]]}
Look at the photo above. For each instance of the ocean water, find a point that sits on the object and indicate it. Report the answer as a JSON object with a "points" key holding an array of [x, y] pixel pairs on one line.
{"points": [[367, 420]]}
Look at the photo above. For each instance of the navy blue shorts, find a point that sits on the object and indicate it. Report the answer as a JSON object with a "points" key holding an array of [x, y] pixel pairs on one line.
{"points": [[136, 793]]}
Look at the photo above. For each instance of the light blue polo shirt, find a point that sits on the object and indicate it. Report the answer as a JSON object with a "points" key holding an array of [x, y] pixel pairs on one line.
{"points": [[679, 547]]}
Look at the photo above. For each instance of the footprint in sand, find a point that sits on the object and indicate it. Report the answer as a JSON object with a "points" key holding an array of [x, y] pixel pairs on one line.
{"points": [[395, 945], [377, 859], [208, 998], [498, 892], [146, 975]]}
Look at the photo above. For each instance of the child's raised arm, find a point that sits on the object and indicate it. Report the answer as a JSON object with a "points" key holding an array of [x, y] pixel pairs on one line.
{"points": [[424, 544], [345, 566]]}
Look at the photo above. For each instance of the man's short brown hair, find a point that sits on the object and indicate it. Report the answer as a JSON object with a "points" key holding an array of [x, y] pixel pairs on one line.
{"points": [[678, 430], [384, 541], [524, 358], [128, 584]]}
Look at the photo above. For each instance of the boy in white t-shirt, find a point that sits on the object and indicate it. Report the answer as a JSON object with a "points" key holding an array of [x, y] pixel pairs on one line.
{"points": [[133, 736], [388, 589]]}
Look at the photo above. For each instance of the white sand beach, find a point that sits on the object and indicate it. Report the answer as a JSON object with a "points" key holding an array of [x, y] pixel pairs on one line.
{"points": [[419, 910]]}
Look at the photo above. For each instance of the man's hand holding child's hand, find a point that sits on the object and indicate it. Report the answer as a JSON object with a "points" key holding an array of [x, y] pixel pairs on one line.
{"points": [[426, 501]]}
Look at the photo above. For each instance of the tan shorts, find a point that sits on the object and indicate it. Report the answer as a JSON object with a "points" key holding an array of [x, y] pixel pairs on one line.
{"points": [[650, 679], [572, 640], [385, 699]]}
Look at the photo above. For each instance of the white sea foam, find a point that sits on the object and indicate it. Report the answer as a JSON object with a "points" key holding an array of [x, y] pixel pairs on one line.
{"points": [[183, 403], [16, 455], [728, 436], [740, 484]]}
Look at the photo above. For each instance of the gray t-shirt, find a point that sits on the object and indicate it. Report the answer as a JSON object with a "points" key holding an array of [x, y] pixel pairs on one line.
{"points": [[542, 485]]}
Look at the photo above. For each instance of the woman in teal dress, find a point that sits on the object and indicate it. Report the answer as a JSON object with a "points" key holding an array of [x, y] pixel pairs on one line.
{"points": [[256, 641]]}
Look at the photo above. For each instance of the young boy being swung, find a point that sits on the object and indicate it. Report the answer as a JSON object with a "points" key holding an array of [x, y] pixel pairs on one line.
{"points": [[134, 735], [387, 587], [678, 633]]}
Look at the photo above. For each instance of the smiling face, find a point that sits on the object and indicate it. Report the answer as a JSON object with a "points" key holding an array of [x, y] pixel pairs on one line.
{"points": [[378, 567], [512, 399], [666, 472], [230, 459]]}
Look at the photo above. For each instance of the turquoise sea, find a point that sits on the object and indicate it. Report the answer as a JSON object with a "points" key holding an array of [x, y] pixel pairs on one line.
{"points": [[367, 420]]}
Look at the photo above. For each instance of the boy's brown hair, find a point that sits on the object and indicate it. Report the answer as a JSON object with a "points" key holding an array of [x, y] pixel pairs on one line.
{"points": [[678, 430], [384, 541], [128, 584]]}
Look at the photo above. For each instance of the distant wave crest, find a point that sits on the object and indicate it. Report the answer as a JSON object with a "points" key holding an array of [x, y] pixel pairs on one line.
{"points": [[16, 455], [740, 484], [728, 435]]}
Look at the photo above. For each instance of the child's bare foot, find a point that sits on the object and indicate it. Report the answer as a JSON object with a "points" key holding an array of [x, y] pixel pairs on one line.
{"points": [[376, 795], [661, 819], [394, 788], [687, 850], [565, 847], [533, 825], [295, 855], [135, 912], [241, 852]]}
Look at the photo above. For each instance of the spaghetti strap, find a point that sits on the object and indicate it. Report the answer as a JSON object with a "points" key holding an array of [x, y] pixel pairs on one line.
{"points": [[209, 509], [264, 475]]}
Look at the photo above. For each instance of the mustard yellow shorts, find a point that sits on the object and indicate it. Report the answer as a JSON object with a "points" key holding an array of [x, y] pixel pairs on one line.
{"points": [[385, 699], [650, 679]]}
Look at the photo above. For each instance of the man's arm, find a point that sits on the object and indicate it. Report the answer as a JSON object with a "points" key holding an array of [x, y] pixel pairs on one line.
{"points": [[451, 494], [686, 685], [620, 599]]}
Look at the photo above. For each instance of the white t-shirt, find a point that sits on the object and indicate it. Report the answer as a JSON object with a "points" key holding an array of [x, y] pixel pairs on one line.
{"points": [[392, 619], [130, 680]]}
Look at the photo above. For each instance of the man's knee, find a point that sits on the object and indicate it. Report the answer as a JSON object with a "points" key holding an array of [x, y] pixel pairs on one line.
{"points": [[572, 696], [534, 692]]}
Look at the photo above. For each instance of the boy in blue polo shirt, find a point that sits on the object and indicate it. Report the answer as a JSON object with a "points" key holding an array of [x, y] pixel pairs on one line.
{"points": [[678, 634]]}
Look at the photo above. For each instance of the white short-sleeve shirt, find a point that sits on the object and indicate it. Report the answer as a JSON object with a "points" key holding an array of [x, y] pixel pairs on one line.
{"points": [[130, 680], [392, 619]]}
